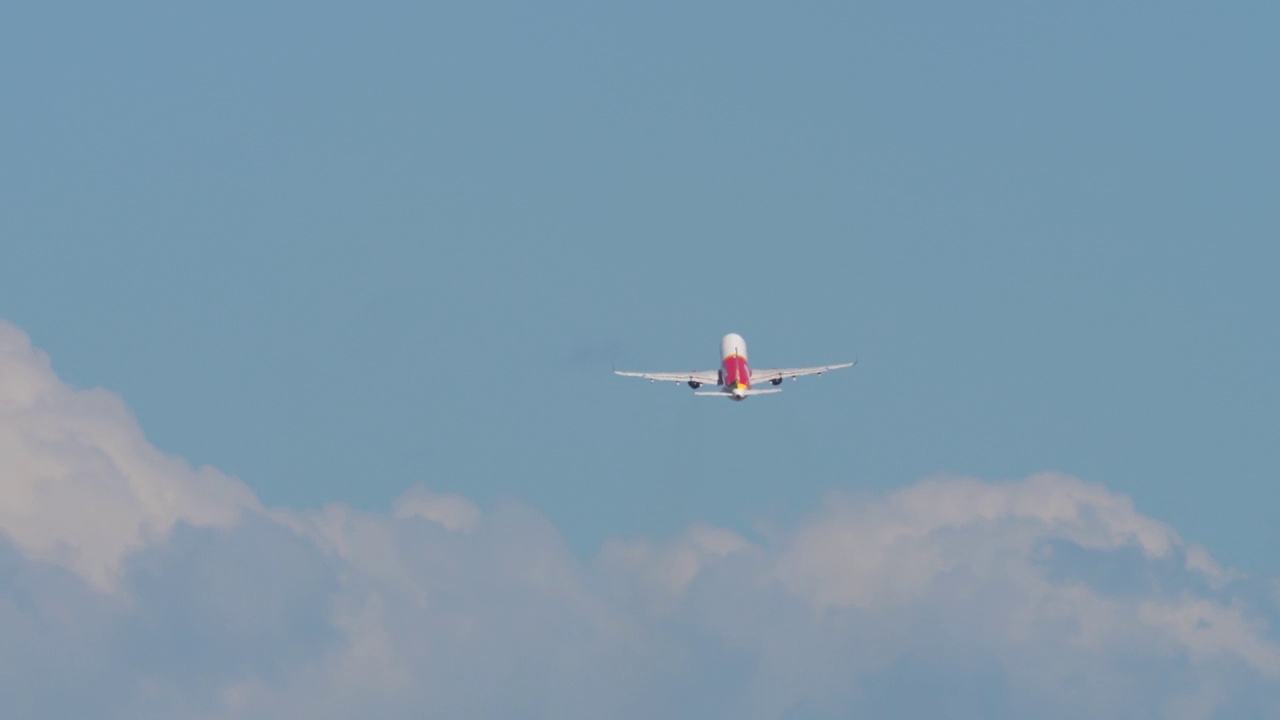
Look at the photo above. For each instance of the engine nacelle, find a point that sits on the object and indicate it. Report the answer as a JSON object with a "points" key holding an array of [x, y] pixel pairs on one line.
{"points": [[695, 384], [776, 381]]}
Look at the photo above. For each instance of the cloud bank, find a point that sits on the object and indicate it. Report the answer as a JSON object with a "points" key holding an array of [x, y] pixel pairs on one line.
{"points": [[132, 585]]}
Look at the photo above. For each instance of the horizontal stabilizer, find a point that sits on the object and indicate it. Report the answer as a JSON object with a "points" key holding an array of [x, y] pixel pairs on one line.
{"points": [[743, 393]]}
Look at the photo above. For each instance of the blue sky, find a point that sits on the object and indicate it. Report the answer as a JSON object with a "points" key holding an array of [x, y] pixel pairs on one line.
{"points": [[340, 253]]}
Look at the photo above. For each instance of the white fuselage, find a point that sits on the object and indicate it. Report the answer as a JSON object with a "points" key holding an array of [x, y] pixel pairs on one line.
{"points": [[735, 374]]}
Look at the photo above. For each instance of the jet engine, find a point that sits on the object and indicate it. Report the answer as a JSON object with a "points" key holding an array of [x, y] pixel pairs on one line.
{"points": [[776, 381], [695, 384]]}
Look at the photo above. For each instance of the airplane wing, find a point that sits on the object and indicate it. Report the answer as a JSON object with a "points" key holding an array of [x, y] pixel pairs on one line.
{"points": [[777, 374], [706, 377]]}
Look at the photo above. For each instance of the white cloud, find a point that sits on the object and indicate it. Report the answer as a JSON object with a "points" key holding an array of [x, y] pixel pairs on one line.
{"points": [[82, 486], [452, 511], [662, 572], [861, 554], [1208, 630], [132, 585]]}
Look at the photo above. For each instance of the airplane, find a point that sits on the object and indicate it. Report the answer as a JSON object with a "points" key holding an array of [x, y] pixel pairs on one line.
{"points": [[734, 376]]}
